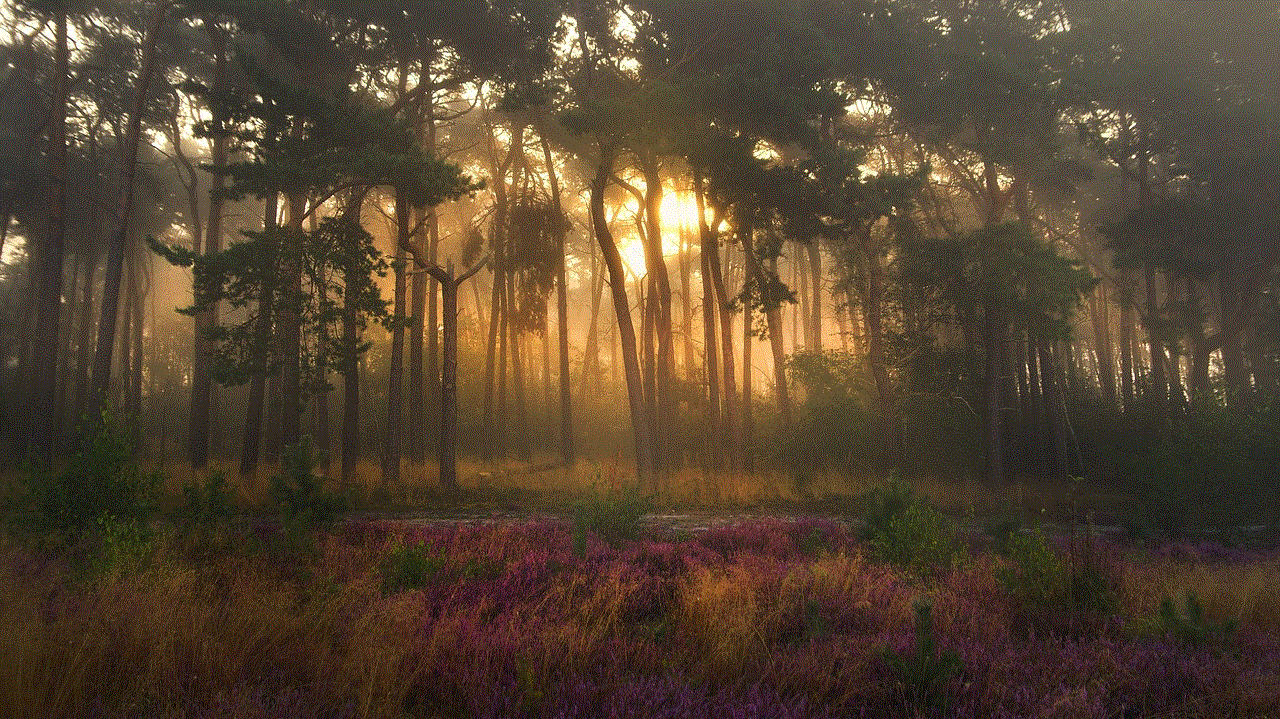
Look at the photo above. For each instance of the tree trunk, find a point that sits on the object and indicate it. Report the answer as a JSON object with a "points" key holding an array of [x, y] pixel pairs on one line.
{"points": [[656, 264], [202, 389], [707, 254], [891, 427], [350, 365], [1126, 340], [395, 379], [562, 315], [116, 250], [49, 282], [622, 313], [448, 447], [257, 384], [815, 293], [773, 318], [419, 405], [748, 422]]}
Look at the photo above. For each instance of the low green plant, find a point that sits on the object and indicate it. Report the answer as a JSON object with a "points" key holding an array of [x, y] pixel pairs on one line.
{"points": [[921, 676], [410, 567], [614, 516], [101, 480], [1189, 626], [207, 504], [1032, 574], [902, 529], [300, 493], [123, 545]]}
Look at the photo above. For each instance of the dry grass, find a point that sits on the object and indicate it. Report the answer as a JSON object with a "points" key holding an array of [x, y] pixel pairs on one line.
{"points": [[1246, 593]]}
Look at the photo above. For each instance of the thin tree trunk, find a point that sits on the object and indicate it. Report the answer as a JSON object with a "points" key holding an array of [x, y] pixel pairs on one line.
{"points": [[562, 314], [725, 311], [622, 313], [1126, 340], [49, 283], [715, 443], [116, 250], [419, 406], [656, 265], [748, 422], [395, 379], [202, 389], [257, 384], [815, 293], [350, 364]]}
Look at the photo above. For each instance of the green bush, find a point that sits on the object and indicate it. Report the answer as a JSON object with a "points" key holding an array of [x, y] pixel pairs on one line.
{"points": [[405, 568], [300, 494], [208, 504], [1032, 574], [102, 480], [614, 516], [902, 529], [121, 546], [921, 677]]}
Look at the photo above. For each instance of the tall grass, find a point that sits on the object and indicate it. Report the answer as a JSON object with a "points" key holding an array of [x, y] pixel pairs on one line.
{"points": [[766, 619]]}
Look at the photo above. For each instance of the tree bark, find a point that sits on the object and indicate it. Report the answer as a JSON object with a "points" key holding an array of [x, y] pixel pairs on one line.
{"points": [[257, 384], [395, 379], [562, 314], [656, 265], [49, 282], [116, 250], [202, 389], [622, 313], [815, 293]]}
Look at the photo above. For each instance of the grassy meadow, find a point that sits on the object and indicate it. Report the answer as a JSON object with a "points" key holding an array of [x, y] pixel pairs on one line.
{"points": [[564, 599]]}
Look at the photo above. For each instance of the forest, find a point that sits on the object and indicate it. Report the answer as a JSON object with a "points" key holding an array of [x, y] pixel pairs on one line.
{"points": [[645, 358]]}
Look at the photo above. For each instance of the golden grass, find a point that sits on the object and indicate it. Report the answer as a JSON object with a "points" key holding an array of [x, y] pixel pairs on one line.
{"points": [[1243, 592]]}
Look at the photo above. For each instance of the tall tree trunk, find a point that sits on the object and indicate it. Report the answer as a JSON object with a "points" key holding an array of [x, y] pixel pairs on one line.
{"points": [[419, 407], [395, 379], [1126, 339], [202, 389], [773, 318], [1102, 343], [715, 436], [562, 314], [891, 426], [116, 250], [815, 293], [748, 421], [711, 246], [350, 363], [686, 304], [494, 428], [1055, 407], [517, 373], [801, 336], [49, 282], [656, 264], [622, 313], [262, 341]]}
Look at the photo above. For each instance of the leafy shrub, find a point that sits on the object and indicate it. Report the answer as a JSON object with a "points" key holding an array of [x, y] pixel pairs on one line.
{"points": [[208, 504], [1053, 593], [102, 480], [1033, 574], [922, 676], [300, 493], [414, 567], [902, 529], [121, 546], [405, 568], [614, 515]]}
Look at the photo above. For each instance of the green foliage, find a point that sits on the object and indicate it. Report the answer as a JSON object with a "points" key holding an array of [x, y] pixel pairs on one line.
{"points": [[614, 516], [300, 494], [922, 676], [121, 546], [1189, 626], [407, 568], [102, 480], [1032, 574], [902, 529], [207, 504]]}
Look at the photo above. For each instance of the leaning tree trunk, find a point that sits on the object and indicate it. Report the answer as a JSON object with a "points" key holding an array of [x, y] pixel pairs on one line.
{"points": [[711, 248], [622, 313], [656, 264], [116, 250]]}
